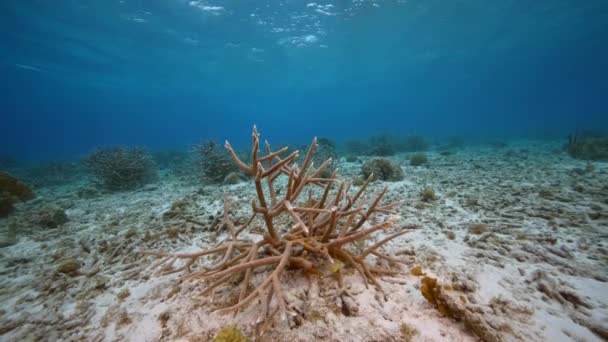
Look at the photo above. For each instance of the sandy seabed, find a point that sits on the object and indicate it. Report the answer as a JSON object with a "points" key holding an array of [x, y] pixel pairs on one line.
{"points": [[518, 237]]}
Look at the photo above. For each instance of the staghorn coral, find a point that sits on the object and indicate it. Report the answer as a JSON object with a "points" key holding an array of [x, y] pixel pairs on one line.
{"points": [[316, 241], [12, 190], [121, 168]]}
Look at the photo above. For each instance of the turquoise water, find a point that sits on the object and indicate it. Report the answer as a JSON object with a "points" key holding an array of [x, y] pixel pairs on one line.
{"points": [[166, 74]]}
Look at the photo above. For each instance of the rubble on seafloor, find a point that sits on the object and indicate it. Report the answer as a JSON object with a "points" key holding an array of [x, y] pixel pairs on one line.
{"points": [[509, 248]]}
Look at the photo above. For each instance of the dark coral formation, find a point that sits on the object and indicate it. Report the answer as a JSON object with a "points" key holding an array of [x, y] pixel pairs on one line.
{"points": [[121, 168], [588, 148], [213, 162], [12, 190], [382, 169]]}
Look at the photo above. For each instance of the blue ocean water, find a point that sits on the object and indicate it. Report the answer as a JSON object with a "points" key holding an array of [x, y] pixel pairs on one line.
{"points": [[169, 73]]}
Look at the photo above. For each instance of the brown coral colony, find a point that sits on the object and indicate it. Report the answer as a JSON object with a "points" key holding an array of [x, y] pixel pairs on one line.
{"points": [[325, 220]]}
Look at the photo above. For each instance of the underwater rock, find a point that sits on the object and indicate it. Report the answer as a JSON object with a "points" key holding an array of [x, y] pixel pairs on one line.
{"points": [[427, 195], [11, 191], [588, 148], [488, 323], [471, 202], [69, 266], [383, 169], [49, 217], [233, 178], [230, 334], [418, 159], [408, 332], [417, 271], [478, 229], [358, 181], [557, 290], [123, 293]]}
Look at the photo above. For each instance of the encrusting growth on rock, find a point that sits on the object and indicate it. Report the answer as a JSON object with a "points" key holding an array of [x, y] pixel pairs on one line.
{"points": [[319, 232]]}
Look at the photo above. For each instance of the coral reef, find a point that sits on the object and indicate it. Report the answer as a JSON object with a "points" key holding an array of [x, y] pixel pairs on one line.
{"points": [[382, 169], [12, 190], [301, 232], [213, 162], [121, 168], [588, 147]]}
